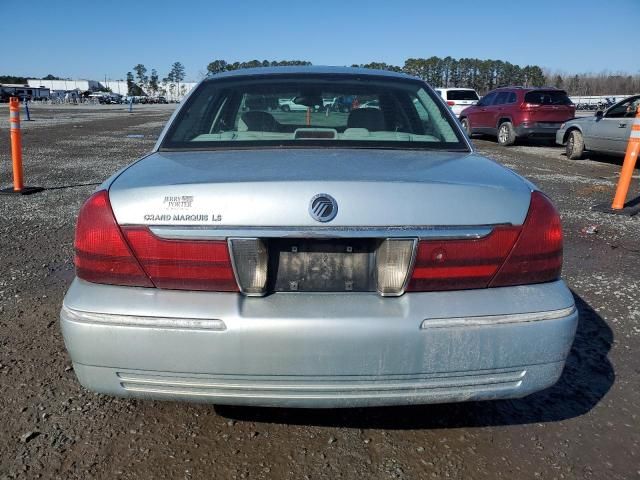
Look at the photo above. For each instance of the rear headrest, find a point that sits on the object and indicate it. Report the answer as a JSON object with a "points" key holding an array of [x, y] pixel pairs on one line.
{"points": [[370, 118], [259, 121]]}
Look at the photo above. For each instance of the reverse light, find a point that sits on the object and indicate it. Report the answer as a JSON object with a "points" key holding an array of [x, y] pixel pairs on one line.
{"points": [[250, 259], [393, 263]]}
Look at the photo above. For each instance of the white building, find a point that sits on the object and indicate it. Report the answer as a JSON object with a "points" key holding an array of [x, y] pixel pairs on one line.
{"points": [[82, 85], [171, 92]]}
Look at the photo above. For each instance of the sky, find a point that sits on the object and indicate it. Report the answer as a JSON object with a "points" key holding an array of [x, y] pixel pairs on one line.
{"points": [[80, 39]]}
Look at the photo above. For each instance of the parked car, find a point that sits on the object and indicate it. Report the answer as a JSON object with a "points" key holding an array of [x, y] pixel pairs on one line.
{"points": [[458, 98], [289, 104], [510, 113], [605, 132], [373, 258]]}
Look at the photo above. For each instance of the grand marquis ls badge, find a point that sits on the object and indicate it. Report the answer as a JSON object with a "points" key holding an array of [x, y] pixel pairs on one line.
{"points": [[323, 207]]}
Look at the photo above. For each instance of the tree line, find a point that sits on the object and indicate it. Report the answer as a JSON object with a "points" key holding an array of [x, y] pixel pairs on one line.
{"points": [[483, 75], [480, 74], [142, 82], [219, 66], [604, 83]]}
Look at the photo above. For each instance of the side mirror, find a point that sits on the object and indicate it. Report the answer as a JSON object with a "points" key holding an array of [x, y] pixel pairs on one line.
{"points": [[599, 114]]}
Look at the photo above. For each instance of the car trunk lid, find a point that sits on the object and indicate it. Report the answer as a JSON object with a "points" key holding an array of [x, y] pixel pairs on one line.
{"points": [[274, 188]]}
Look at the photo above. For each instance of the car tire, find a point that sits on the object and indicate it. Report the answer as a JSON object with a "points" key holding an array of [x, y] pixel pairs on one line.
{"points": [[466, 126], [575, 145], [506, 134], [285, 108]]}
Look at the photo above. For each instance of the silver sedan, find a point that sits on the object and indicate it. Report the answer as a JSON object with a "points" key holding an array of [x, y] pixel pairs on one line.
{"points": [[605, 132], [317, 258]]}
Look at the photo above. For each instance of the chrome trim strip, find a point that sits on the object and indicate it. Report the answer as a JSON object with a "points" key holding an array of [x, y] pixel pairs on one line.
{"points": [[77, 316], [420, 232], [489, 320], [324, 385]]}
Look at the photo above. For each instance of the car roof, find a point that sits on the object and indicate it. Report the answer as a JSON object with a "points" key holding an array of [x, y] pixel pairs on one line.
{"points": [[454, 88], [311, 70], [527, 89]]}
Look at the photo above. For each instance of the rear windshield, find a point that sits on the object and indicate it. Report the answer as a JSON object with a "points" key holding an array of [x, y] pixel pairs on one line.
{"points": [[462, 95], [547, 97], [345, 111]]}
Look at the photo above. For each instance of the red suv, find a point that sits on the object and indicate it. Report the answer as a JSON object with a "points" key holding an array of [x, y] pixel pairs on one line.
{"points": [[518, 112]]}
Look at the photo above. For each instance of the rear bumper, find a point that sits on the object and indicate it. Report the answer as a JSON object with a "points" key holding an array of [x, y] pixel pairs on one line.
{"points": [[539, 130], [318, 350]]}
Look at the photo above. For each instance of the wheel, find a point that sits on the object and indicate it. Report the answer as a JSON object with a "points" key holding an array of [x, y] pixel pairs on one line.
{"points": [[285, 108], [465, 126], [506, 134], [575, 145]]}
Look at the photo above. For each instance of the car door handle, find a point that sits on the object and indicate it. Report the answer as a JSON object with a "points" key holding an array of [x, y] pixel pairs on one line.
{"points": [[622, 125]]}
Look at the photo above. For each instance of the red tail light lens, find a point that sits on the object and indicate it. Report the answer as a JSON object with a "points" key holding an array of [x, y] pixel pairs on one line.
{"points": [[451, 103], [461, 264], [508, 256], [102, 255], [529, 106], [183, 264], [537, 255], [139, 258]]}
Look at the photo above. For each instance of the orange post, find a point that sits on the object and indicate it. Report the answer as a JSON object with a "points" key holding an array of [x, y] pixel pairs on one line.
{"points": [[16, 143], [630, 159], [16, 153]]}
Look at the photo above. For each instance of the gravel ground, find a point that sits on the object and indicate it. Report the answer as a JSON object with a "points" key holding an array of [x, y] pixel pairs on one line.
{"points": [[586, 426]]}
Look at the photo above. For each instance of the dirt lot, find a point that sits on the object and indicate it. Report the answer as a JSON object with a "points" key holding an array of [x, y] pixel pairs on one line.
{"points": [[587, 426]]}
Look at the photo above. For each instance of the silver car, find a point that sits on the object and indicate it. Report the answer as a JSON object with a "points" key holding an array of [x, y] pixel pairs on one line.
{"points": [[605, 132], [317, 258]]}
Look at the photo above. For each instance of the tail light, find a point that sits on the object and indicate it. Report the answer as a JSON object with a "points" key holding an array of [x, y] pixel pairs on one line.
{"points": [[461, 264], [134, 256], [451, 103], [183, 264], [508, 256], [537, 255], [529, 106], [102, 255]]}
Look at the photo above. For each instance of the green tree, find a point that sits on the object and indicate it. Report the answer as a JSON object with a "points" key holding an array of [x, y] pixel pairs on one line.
{"points": [[141, 75], [130, 83], [380, 66], [153, 81], [217, 66], [177, 74]]}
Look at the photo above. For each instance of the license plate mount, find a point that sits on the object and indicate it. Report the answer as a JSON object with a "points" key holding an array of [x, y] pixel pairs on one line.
{"points": [[302, 265]]}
